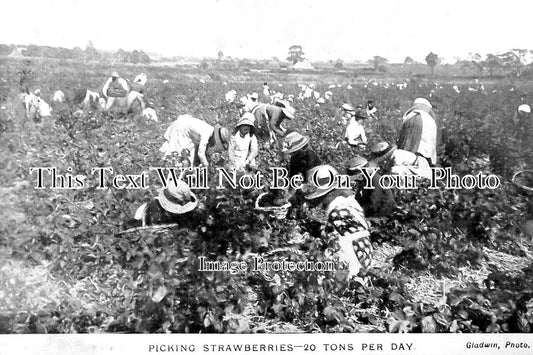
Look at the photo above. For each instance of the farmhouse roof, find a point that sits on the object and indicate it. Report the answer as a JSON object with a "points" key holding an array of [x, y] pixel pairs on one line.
{"points": [[305, 65], [16, 53]]}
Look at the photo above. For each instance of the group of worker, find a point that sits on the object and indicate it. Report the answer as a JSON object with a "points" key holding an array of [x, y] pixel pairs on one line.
{"points": [[347, 208]]}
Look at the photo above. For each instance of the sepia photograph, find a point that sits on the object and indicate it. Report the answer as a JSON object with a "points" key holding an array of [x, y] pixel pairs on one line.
{"points": [[268, 167]]}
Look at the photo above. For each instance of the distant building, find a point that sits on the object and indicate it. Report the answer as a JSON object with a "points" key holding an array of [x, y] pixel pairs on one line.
{"points": [[305, 65], [17, 53]]}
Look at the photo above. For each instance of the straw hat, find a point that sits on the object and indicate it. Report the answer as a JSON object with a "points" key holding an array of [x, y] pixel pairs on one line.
{"points": [[289, 112], [254, 96], [294, 141], [178, 198], [355, 163], [422, 101], [524, 108], [222, 137], [382, 151], [348, 108], [379, 147], [247, 119], [115, 74], [322, 176]]}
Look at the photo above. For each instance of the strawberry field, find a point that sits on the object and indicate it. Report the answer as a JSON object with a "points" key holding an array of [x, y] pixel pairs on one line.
{"points": [[447, 260]]}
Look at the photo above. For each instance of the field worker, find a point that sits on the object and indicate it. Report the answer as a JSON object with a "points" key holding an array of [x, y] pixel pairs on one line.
{"points": [[137, 92], [36, 107], [266, 89], [149, 112], [522, 120], [347, 228], [196, 135], [371, 109], [140, 80], [355, 134], [254, 97], [59, 96], [174, 204], [522, 113], [376, 202], [303, 157], [402, 162], [114, 88], [418, 134], [268, 120], [243, 147], [249, 102]]}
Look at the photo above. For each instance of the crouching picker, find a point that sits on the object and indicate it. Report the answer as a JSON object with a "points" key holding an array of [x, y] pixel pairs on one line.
{"points": [[346, 227], [345, 240]]}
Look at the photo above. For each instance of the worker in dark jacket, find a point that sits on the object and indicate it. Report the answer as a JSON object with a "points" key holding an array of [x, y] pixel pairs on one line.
{"points": [[376, 202], [303, 157], [268, 120]]}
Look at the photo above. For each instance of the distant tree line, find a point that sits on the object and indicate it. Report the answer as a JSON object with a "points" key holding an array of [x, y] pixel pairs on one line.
{"points": [[89, 54], [515, 62]]}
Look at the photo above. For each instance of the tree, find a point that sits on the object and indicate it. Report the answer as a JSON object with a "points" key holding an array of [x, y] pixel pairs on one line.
{"points": [[220, 55], [378, 62], [296, 54], [339, 64], [432, 60], [91, 53], [464, 65], [478, 62], [5, 49], [408, 61], [492, 62], [514, 60], [78, 53]]}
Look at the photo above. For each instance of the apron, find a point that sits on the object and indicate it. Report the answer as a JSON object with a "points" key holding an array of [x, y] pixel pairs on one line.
{"points": [[239, 149]]}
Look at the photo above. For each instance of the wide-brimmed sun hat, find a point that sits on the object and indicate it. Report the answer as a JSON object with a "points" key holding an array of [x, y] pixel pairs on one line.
{"points": [[289, 112], [294, 141], [115, 74], [356, 163], [246, 119], [222, 137], [177, 198], [382, 150], [254, 95], [322, 177], [348, 108], [422, 101], [524, 108]]}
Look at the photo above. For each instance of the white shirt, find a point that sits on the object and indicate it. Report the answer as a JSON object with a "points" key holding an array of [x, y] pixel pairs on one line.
{"points": [[242, 151], [355, 133], [187, 132]]}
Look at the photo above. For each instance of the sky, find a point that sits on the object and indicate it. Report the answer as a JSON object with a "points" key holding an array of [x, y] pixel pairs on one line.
{"points": [[326, 29]]}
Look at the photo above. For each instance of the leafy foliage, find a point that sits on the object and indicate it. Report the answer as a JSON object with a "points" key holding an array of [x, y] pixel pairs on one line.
{"points": [[148, 281]]}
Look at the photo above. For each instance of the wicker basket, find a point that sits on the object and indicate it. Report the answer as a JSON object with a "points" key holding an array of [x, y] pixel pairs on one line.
{"points": [[278, 212], [524, 180], [116, 92]]}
